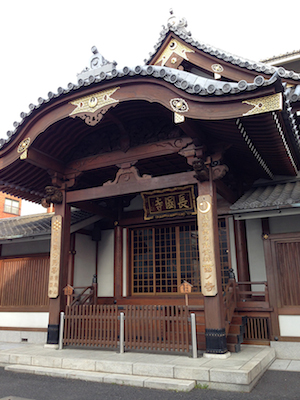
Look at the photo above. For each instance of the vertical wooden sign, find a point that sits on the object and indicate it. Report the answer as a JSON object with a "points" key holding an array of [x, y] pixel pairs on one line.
{"points": [[206, 246], [55, 251]]}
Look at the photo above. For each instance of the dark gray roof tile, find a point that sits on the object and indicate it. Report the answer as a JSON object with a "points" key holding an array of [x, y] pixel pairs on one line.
{"points": [[34, 225], [258, 198]]}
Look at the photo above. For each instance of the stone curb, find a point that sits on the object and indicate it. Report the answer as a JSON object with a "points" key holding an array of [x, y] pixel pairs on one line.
{"points": [[120, 379]]}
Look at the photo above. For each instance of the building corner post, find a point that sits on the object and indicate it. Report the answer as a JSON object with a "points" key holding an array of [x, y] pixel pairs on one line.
{"points": [[58, 271], [210, 269]]}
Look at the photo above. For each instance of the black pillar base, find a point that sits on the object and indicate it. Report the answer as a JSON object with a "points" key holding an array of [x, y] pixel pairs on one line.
{"points": [[53, 334], [215, 341]]}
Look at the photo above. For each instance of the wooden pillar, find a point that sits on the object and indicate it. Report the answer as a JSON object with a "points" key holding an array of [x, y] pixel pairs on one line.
{"points": [[118, 262], [71, 261], [241, 251], [59, 259], [215, 335]]}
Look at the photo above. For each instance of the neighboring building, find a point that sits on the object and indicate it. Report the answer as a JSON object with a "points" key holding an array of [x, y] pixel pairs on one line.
{"points": [[10, 206], [188, 168], [289, 61]]}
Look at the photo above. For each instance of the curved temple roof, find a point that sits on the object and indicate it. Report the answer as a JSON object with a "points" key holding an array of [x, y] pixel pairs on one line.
{"points": [[218, 110], [186, 81]]}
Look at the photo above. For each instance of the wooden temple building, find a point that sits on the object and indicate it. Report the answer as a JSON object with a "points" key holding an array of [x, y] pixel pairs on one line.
{"points": [[176, 191]]}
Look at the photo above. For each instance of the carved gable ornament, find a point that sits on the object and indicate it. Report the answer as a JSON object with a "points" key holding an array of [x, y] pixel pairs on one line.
{"points": [[92, 108], [174, 47]]}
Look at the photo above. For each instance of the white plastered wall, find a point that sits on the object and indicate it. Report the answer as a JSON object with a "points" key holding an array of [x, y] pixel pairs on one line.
{"points": [[106, 264], [24, 319], [85, 260], [232, 245], [289, 325], [19, 322], [286, 224], [26, 247], [256, 254]]}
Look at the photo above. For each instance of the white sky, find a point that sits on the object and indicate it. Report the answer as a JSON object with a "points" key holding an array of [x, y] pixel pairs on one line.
{"points": [[45, 44]]}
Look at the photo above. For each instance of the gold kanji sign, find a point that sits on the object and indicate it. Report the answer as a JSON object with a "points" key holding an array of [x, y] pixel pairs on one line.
{"points": [[206, 246], [177, 201], [56, 225]]}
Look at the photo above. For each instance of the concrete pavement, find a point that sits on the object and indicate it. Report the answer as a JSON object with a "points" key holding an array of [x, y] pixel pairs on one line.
{"points": [[239, 372]]}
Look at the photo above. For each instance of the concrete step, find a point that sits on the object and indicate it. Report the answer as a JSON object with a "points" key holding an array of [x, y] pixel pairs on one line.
{"points": [[183, 385]]}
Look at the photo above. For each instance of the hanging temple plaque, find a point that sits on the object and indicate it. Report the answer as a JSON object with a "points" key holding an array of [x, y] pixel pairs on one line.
{"points": [[179, 201]]}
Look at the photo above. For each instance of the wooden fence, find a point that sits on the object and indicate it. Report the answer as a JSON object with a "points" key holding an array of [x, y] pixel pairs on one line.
{"points": [[91, 325], [155, 328]]}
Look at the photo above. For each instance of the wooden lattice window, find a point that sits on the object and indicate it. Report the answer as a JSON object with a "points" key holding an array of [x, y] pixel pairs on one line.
{"points": [[163, 257], [224, 250]]}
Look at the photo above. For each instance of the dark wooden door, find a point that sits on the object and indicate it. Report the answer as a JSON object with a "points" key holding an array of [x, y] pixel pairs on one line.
{"points": [[283, 271], [288, 273]]}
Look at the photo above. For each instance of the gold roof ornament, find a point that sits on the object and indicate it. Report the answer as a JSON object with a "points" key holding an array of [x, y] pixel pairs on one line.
{"points": [[264, 104], [93, 102], [174, 46]]}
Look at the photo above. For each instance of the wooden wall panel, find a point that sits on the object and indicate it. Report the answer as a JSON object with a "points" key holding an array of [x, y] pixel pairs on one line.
{"points": [[288, 272], [24, 281]]}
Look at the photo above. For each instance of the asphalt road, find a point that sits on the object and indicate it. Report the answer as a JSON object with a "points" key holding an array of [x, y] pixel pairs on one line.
{"points": [[274, 385]]}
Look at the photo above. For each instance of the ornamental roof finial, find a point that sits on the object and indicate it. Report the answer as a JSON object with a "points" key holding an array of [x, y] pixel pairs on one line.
{"points": [[178, 24], [98, 65]]}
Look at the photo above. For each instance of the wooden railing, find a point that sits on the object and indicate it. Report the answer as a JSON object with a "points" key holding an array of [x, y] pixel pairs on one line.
{"points": [[252, 299], [229, 298], [240, 297], [155, 328], [81, 295]]}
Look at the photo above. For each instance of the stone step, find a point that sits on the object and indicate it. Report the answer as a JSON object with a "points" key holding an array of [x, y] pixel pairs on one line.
{"points": [[183, 385]]}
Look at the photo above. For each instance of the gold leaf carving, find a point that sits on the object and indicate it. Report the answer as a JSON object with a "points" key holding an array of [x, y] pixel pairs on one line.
{"points": [[264, 104], [92, 103], [23, 145], [174, 46]]}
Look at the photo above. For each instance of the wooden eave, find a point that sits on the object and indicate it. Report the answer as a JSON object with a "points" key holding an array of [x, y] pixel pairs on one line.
{"points": [[52, 134], [140, 88]]}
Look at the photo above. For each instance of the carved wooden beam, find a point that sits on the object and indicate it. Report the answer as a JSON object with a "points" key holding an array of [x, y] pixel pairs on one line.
{"points": [[42, 160], [136, 186], [224, 191], [132, 155]]}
